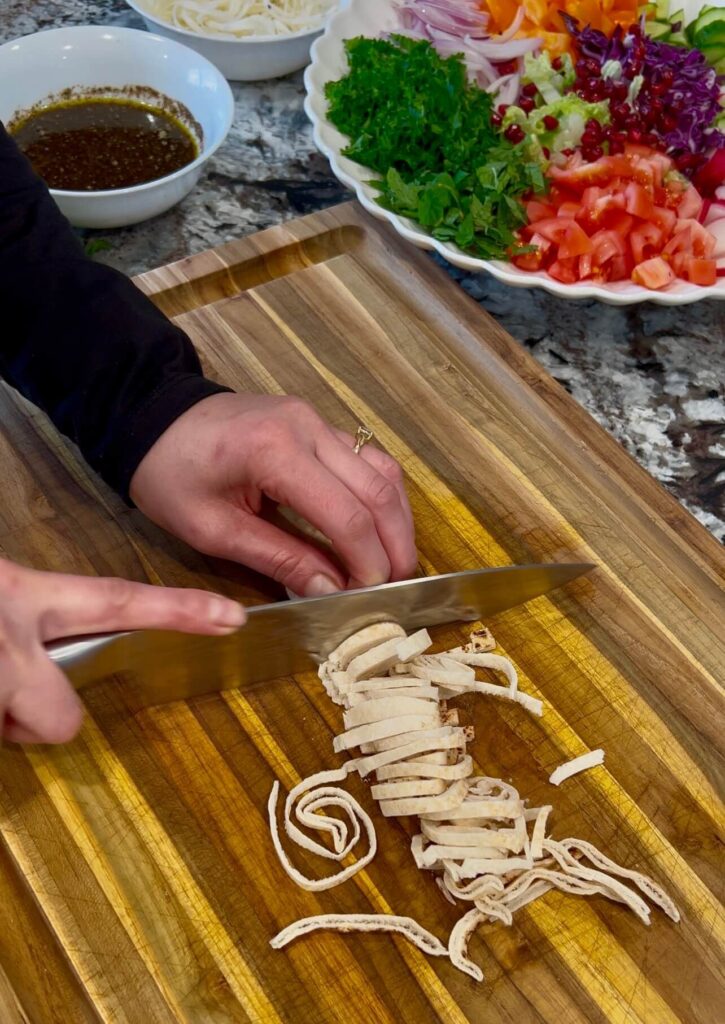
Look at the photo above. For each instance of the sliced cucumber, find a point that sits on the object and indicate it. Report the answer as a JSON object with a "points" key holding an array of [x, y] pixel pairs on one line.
{"points": [[658, 30], [678, 39], [709, 16], [711, 36], [662, 8], [678, 16]]}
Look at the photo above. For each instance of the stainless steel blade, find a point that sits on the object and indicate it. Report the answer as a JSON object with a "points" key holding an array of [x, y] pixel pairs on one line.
{"points": [[295, 636]]}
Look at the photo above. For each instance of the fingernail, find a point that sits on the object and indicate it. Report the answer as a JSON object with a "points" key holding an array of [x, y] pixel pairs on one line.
{"points": [[321, 586], [229, 615]]}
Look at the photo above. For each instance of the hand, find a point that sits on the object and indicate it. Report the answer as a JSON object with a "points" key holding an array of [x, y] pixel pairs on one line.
{"points": [[37, 703], [205, 478]]}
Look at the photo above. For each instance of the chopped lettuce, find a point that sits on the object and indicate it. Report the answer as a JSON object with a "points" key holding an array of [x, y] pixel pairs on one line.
{"points": [[571, 113], [551, 83]]}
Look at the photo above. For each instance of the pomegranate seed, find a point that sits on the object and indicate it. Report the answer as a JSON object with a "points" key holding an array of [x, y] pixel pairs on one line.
{"points": [[659, 88], [607, 131], [530, 90], [593, 126], [546, 151], [502, 108], [595, 152], [496, 119], [650, 139], [615, 146], [581, 69], [669, 123], [526, 104], [550, 122], [556, 64], [619, 91], [508, 67], [588, 139], [633, 124], [620, 114], [635, 135], [667, 76], [567, 152], [515, 134]]}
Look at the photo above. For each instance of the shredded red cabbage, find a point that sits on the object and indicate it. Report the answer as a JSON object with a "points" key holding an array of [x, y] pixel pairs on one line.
{"points": [[686, 84]]}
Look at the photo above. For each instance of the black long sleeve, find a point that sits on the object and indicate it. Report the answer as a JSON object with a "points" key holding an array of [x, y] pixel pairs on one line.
{"points": [[79, 340]]}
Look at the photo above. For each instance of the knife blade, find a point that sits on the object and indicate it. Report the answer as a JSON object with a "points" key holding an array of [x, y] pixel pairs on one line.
{"points": [[295, 636]]}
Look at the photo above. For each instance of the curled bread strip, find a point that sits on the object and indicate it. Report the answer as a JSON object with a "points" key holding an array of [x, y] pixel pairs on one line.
{"points": [[362, 641], [404, 926], [458, 941], [579, 764], [305, 801]]}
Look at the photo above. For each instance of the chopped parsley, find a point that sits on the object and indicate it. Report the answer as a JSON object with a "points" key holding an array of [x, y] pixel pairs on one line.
{"points": [[413, 116]]}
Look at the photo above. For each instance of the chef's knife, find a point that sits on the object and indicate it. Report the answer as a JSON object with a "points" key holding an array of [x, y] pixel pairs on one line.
{"points": [[295, 636]]}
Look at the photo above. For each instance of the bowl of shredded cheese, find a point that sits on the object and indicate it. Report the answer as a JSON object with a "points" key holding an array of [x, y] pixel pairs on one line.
{"points": [[248, 40]]}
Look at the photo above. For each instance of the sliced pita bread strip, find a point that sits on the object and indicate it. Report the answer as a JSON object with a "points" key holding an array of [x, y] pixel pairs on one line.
{"points": [[435, 854], [408, 787], [539, 832], [375, 661], [356, 815], [415, 689], [384, 683], [385, 708], [443, 738], [477, 888], [607, 885], [643, 882], [473, 867], [414, 769], [363, 641], [492, 661], [579, 764], [405, 926], [454, 835], [443, 676], [421, 805], [414, 645], [388, 727], [480, 808], [495, 910], [458, 941]]}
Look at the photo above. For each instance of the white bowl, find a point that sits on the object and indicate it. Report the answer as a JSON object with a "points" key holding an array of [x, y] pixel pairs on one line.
{"points": [[41, 65], [240, 60], [371, 18]]}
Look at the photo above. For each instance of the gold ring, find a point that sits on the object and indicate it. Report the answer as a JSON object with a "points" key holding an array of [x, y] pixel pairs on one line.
{"points": [[363, 435]]}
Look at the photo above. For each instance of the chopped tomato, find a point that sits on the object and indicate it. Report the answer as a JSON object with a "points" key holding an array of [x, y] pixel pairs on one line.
{"points": [[701, 242], [664, 219], [565, 271], [646, 241], [655, 273], [690, 203], [703, 272], [576, 242], [536, 210], [638, 201], [616, 219]]}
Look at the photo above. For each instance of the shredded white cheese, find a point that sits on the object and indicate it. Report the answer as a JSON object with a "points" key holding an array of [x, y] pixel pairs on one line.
{"points": [[240, 19], [579, 764]]}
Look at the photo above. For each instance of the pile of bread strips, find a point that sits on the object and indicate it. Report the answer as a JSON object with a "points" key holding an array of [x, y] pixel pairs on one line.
{"points": [[486, 848]]}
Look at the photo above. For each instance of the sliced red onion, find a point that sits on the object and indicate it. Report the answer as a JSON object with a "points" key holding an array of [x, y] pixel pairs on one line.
{"points": [[512, 29], [456, 18], [506, 89]]}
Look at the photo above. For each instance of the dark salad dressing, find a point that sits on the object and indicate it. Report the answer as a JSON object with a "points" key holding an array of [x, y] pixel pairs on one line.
{"points": [[90, 145]]}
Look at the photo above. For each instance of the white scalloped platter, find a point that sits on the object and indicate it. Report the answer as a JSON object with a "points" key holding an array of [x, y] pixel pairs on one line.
{"points": [[371, 18]]}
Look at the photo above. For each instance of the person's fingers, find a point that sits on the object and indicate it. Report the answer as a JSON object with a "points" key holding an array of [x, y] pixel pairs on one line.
{"points": [[71, 605], [380, 495], [303, 483], [258, 544], [384, 464], [42, 706]]}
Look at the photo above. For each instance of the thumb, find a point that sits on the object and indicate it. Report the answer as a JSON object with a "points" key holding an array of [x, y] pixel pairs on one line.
{"points": [[291, 561], [86, 604], [43, 707]]}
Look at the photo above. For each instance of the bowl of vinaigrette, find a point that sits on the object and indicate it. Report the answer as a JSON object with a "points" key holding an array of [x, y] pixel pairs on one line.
{"points": [[119, 123]]}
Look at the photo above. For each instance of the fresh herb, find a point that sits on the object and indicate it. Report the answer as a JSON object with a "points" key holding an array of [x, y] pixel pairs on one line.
{"points": [[412, 116], [92, 246]]}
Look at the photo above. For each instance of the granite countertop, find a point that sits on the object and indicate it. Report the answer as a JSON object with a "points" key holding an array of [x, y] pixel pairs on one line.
{"points": [[654, 377]]}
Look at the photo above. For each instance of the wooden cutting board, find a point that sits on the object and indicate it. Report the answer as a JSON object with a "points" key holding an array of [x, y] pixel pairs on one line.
{"points": [[138, 884]]}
